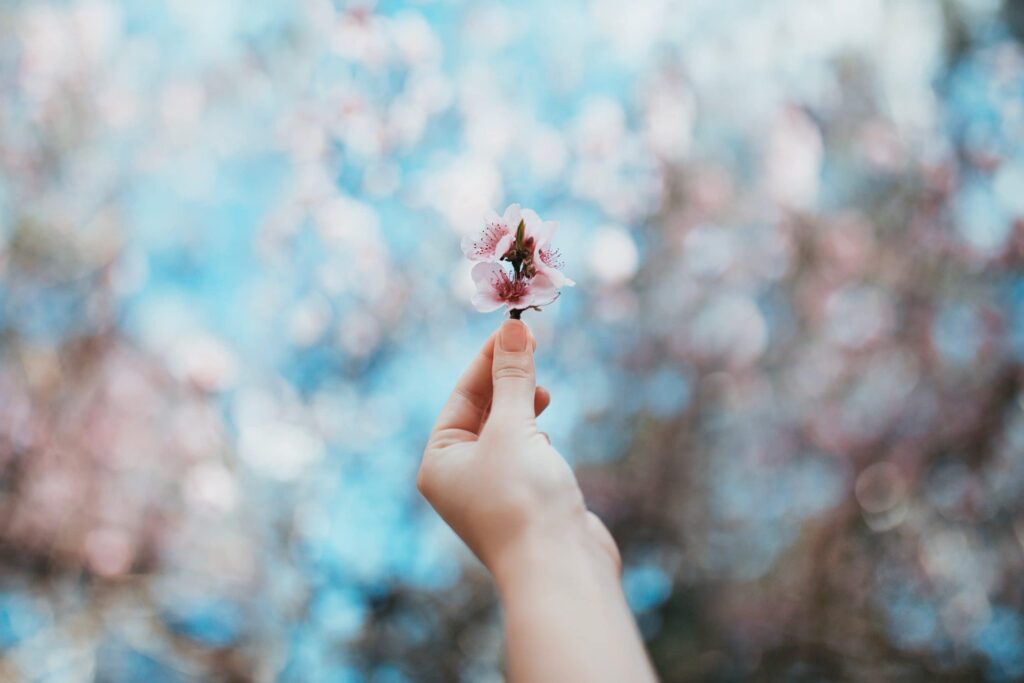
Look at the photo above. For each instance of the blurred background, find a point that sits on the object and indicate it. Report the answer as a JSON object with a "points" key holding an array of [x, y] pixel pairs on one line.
{"points": [[232, 301]]}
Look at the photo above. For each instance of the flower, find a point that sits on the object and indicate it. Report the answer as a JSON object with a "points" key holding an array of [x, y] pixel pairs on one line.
{"points": [[497, 238], [545, 259], [549, 263], [495, 288], [522, 239]]}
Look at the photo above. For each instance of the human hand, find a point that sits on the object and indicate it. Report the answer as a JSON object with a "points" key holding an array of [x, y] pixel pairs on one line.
{"points": [[495, 478]]}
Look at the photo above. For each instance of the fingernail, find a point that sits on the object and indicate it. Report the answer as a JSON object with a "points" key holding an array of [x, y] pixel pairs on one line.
{"points": [[514, 336]]}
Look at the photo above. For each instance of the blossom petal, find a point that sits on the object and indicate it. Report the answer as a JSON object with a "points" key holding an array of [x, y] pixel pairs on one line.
{"points": [[540, 230], [485, 274], [492, 218], [491, 244], [469, 248], [513, 214], [546, 233], [542, 290], [486, 303], [556, 276], [504, 244]]}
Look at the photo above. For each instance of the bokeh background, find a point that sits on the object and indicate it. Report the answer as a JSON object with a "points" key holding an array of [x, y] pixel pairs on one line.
{"points": [[232, 300]]}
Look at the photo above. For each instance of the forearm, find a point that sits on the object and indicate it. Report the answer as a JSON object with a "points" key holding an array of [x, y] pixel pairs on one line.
{"points": [[566, 617]]}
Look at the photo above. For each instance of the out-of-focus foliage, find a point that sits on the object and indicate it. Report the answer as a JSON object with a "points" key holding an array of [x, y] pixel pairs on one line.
{"points": [[232, 299]]}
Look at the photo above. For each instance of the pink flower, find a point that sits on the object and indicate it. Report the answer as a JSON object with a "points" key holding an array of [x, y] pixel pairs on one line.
{"points": [[495, 288], [497, 238], [549, 263], [521, 239], [545, 260]]}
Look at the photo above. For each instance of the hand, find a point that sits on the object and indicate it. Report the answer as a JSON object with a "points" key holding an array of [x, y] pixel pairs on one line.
{"points": [[495, 478]]}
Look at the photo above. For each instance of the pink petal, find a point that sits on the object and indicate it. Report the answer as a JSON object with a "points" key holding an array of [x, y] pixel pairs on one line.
{"points": [[492, 217], [540, 230], [542, 290], [553, 272], [550, 228], [558, 279], [512, 216], [504, 244], [486, 298], [485, 274], [469, 247], [484, 247], [486, 303]]}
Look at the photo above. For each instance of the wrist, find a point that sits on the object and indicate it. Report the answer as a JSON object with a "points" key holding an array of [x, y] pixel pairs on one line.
{"points": [[553, 559]]}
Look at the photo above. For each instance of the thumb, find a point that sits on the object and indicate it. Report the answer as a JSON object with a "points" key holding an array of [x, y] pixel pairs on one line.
{"points": [[515, 381]]}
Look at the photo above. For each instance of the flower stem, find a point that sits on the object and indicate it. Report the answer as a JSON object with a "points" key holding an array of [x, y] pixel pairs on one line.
{"points": [[515, 314]]}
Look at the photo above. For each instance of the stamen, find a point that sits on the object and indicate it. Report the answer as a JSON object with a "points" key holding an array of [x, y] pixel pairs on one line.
{"points": [[488, 241], [510, 290], [552, 258]]}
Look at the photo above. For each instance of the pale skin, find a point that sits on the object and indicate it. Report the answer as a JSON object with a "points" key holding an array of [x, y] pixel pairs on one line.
{"points": [[495, 478]]}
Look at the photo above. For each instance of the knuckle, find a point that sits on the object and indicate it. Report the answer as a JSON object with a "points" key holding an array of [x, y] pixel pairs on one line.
{"points": [[423, 482], [477, 400], [616, 556], [512, 372]]}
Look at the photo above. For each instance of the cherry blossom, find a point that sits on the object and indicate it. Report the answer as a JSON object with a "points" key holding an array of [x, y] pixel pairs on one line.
{"points": [[497, 238], [522, 239], [544, 258], [495, 288]]}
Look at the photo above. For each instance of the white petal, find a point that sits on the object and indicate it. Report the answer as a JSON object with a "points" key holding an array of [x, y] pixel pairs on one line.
{"points": [[484, 275], [492, 218], [540, 230], [486, 298], [554, 274], [469, 248], [486, 303], [512, 217], [542, 290], [504, 244], [557, 279]]}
